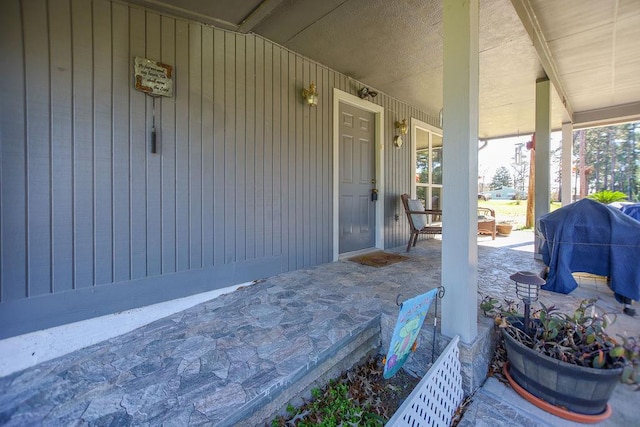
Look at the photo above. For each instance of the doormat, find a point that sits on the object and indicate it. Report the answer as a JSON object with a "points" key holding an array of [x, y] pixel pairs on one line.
{"points": [[378, 259]]}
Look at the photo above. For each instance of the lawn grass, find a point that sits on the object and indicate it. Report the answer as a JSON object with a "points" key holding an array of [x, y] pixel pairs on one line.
{"points": [[512, 211]]}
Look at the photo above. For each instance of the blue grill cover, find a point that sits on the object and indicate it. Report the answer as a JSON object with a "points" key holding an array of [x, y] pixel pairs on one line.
{"points": [[588, 236]]}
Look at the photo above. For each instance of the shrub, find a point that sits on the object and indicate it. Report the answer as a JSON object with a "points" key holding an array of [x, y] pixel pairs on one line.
{"points": [[608, 196]]}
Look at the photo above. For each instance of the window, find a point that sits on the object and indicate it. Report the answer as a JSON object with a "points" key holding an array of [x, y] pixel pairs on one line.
{"points": [[427, 146]]}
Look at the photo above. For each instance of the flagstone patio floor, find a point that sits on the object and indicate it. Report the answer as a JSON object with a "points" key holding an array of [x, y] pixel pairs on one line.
{"points": [[203, 365]]}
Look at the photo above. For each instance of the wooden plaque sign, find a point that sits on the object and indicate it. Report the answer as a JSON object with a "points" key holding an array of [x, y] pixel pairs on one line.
{"points": [[153, 78]]}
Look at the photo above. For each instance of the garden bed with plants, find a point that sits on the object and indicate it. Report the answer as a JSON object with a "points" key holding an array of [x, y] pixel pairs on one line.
{"points": [[360, 396]]}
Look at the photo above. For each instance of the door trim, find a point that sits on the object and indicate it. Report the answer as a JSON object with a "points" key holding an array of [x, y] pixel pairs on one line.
{"points": [[338, 97]]}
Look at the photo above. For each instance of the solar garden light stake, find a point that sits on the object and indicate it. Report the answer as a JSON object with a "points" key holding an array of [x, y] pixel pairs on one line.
{"points": [[528, 290]]}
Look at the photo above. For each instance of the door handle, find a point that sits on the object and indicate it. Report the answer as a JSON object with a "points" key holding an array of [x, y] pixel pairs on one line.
{"points": [[374, 194]]}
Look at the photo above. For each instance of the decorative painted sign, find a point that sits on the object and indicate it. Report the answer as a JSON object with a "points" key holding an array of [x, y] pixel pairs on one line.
{"points": [[410, 320], [153, 78]]}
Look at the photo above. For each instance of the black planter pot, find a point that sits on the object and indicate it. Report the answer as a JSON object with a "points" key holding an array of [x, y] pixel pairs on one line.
{"points": [[576, 388]]}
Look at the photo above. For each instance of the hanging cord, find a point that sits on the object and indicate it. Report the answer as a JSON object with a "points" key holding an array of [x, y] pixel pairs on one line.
{"points": [[441, 292], [153, 126]]}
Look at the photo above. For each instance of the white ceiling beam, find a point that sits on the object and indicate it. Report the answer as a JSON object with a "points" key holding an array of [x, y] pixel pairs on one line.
{"points": [[530, 22], [170, 9], [263, 10], [607, 116]]}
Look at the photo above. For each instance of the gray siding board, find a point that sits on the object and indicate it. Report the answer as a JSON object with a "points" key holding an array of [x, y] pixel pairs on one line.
{"points": [[207, 146], [249, 163], [230, 216], [102, 137], [61, 146], [277, 149], [153, 169], [167, 144], [314, 182], [38, 149], [289, 187], [181, 95], [250, 184], [264, 60], [195, 146], [13, 203], [139, 144], [241, 187], [240, 182], [298, 165], [82, 144], [283, 109], [121, 144], [260, 152], [305, 170], [219, 173]]}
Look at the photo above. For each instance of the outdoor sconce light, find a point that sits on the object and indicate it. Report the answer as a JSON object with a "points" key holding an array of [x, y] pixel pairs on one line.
{"points": [[366, 92], [528, 290], [311, 95], [402, 126]]}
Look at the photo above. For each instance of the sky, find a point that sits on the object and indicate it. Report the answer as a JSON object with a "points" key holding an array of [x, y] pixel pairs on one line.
{"points": [[500, 152]]}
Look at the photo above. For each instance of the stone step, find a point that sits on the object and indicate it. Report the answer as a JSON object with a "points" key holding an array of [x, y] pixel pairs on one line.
{"points": [[362, 342]]}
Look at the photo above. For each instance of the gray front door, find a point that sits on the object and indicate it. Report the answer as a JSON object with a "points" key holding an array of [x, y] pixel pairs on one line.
{"points": [[357, 179]]}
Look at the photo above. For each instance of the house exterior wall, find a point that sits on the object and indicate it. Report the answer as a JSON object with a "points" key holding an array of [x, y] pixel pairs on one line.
{"points": [[92, 222]]}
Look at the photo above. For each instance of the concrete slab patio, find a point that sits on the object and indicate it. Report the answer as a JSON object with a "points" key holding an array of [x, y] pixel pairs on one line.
{"points": [[220, 362]]}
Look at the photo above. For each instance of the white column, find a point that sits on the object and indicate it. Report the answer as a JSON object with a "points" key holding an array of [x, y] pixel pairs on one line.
{"points": [[565, 166], [460, 175], [543, 135]]}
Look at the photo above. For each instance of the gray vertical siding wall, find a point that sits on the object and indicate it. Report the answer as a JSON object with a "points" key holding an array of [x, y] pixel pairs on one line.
{"points": [[91, 222]]}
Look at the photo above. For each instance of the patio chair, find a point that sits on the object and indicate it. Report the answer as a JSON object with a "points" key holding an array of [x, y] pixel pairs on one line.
{"points": [[487, 222], [418, 219]]}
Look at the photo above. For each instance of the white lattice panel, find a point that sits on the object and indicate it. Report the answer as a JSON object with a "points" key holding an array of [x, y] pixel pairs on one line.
{"points": [[437, 396]]}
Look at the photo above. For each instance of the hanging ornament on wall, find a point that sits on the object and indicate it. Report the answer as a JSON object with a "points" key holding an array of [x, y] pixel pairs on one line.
{"points": [[155, 79]]}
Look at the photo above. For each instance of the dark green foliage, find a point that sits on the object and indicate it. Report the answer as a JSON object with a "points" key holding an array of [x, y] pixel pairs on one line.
{"points": [[502, 178], [607, 196], [353, 399], [612, 158], [579, 339]]}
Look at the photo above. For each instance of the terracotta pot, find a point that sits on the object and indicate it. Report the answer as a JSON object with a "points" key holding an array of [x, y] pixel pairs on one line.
{"points": [[504, 229]]}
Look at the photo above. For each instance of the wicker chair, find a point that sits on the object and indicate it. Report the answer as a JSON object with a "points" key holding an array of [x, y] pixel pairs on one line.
{"points": [[418, 220], [487, 222]]}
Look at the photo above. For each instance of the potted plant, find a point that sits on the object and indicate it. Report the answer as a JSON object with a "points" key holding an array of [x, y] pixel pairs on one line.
{"points": [[566, 360]]}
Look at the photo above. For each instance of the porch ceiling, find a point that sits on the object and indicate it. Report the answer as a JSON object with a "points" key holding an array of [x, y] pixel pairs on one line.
{"points": [[588, 48]]}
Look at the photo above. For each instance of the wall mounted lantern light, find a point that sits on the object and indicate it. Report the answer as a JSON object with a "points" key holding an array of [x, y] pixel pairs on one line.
{"points": [[402, 127], [311, 95]]}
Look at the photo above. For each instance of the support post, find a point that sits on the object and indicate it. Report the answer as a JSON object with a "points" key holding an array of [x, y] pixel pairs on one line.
{"points": [[460, 177], [543, 156], [565, 165]]}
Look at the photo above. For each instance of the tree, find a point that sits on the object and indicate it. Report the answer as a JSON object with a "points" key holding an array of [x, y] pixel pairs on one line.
{"points": [[502, 178], [609, 159]]}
